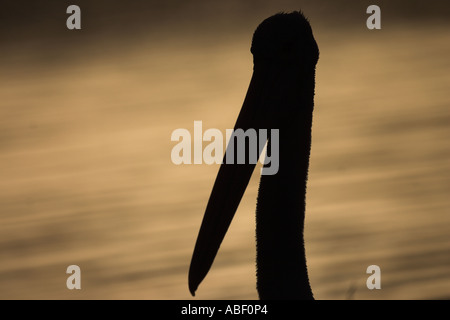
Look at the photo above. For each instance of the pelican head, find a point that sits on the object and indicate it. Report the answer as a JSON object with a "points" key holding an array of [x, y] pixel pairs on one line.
{"points": [[280, 96]]}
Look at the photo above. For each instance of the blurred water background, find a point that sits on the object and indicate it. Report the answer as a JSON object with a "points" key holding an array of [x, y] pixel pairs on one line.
{"points": [[86, 176]]}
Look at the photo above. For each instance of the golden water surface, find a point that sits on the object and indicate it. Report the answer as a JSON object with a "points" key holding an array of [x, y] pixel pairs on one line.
{"points": [[86, 176]]}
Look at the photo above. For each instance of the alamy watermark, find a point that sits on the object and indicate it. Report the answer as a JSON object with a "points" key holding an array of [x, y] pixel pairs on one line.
{"points": [[74, 280], [374, 20], [248, 145], [73, 22]]}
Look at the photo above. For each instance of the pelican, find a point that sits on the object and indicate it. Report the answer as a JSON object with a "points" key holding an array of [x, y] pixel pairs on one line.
{"points": [[281, 96]]}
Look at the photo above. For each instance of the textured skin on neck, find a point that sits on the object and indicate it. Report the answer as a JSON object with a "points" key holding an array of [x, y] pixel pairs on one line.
{"points": [[280, 213]]}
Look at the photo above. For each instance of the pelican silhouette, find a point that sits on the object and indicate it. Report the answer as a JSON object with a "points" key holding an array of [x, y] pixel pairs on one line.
{"points": [[280, 95]]}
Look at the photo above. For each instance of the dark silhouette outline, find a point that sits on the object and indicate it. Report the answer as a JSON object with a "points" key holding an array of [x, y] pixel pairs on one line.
{"points": [[280, 96]]}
